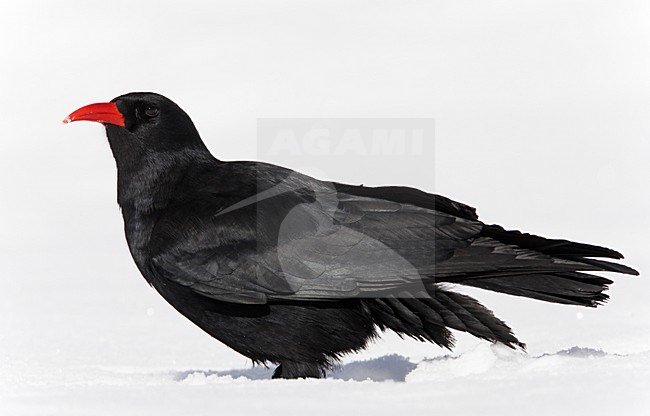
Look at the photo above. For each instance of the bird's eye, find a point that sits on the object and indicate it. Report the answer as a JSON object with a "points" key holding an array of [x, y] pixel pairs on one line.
{"points": [[151, 111]]}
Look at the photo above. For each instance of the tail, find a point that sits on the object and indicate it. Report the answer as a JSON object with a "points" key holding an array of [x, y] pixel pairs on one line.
{"points": [[502, 261], [568, 286]]}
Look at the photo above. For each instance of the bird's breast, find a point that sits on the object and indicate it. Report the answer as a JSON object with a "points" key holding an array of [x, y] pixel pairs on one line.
{"points": [[138, 229]]}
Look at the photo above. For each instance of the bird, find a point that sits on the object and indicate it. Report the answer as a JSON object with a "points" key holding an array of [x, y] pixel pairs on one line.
{"points": [[297, 272]]}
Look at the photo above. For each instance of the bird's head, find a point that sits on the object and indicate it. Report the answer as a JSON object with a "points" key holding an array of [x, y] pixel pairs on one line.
{"points": [[152, 140], [142, 122]]}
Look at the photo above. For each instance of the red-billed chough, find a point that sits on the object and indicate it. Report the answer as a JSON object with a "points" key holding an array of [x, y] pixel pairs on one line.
{"points": [[291, 270]]}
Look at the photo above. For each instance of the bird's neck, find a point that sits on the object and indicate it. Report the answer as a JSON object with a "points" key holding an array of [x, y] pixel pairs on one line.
{"points": [[146, 185], [147, 182], [148, 171]]}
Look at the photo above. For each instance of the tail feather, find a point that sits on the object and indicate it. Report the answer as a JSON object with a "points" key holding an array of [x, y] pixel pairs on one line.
{"points": [[563, 249], [567, 284], [608, 266], [572, 288]]}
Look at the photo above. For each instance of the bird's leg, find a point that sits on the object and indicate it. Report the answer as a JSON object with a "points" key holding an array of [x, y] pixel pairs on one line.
{"points": [[291, 369]]}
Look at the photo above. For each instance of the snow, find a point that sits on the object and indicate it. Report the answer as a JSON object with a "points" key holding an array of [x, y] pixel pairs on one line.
{"points": [[485, 380], [541, 122]]}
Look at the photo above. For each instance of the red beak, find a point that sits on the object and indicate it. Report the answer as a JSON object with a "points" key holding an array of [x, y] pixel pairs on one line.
{"points": [[106, 113]]}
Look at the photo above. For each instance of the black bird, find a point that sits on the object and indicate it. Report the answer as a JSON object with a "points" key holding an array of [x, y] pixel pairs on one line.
{"points": [[291, 270]]}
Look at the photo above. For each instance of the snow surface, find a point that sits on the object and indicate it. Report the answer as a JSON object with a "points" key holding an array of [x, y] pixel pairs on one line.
{"points": [[542, 122], [488, 380]]}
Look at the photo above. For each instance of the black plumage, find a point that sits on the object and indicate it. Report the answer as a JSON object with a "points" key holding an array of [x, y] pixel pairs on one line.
{"points": [[290, 270]]}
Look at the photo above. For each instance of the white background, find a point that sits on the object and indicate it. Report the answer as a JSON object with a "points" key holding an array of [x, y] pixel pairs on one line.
{"points": [[541, 113]]}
